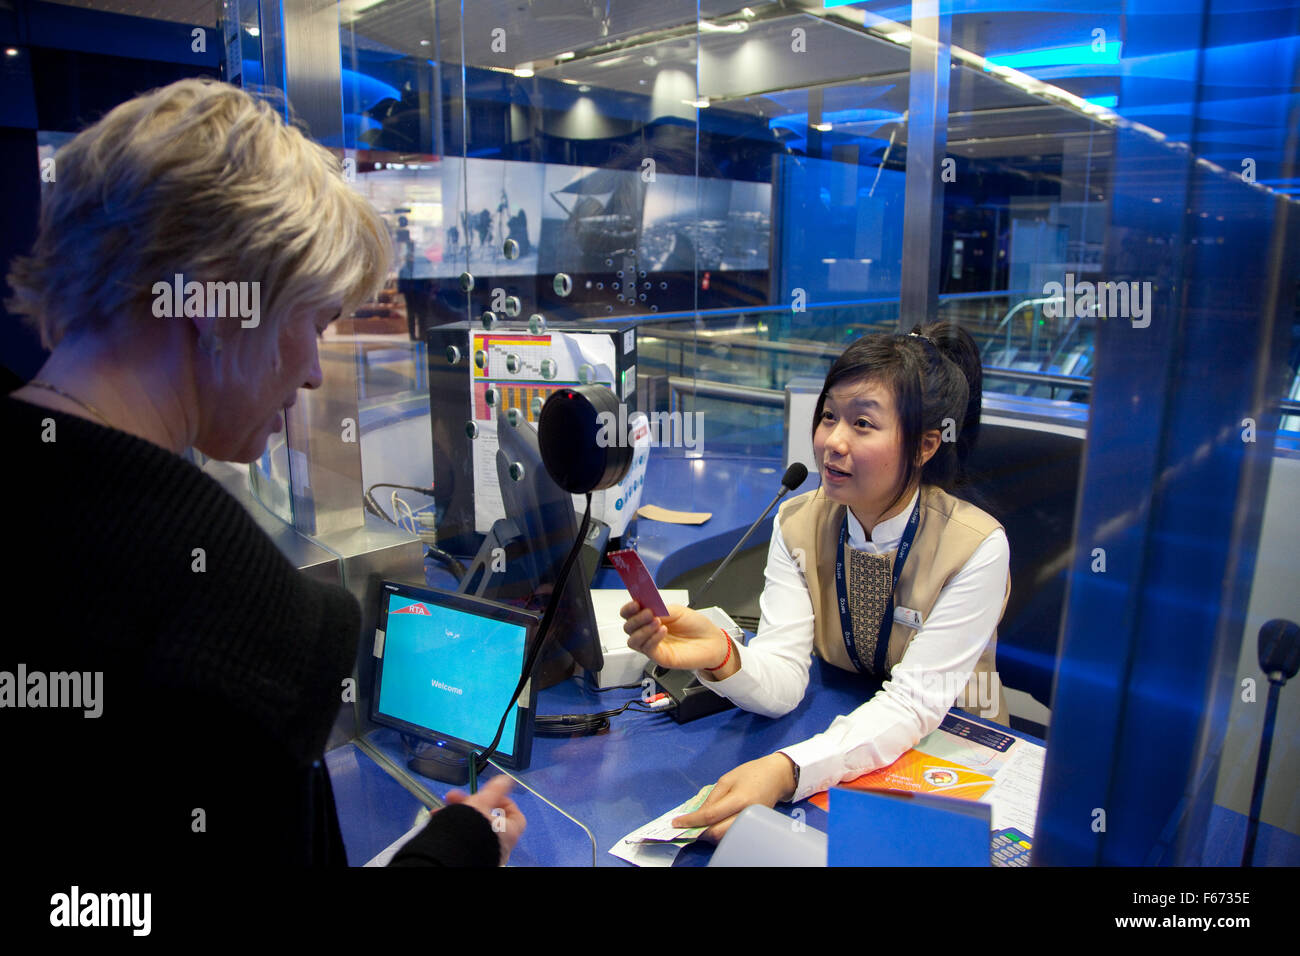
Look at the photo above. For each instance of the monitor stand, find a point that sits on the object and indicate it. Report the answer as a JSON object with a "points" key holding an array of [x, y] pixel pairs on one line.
{"points": [[439, 763], [519, 584]]}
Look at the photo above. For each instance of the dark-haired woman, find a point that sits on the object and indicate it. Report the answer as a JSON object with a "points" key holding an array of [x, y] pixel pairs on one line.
{"points": [[880, 570]]}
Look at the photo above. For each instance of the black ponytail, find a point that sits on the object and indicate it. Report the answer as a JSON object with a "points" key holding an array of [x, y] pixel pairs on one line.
{"points": [[958, 346]]}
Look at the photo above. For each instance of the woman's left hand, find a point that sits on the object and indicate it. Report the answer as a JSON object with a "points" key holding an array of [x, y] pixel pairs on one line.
{"points": [[765, 781]]}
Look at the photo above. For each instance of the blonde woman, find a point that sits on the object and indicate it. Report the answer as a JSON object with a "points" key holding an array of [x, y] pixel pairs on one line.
{"points": [[190, 253]]}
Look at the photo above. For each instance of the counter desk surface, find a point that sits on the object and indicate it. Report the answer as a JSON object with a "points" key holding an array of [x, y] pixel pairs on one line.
{"points": [[616, 782], [647, 763]]}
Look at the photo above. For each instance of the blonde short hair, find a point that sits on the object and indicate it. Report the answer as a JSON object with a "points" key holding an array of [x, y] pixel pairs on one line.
{"points": [[198, 178]]}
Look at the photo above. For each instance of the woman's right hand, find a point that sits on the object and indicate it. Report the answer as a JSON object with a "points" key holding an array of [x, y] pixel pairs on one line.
{"points": [[684, 639], [493, 801]]}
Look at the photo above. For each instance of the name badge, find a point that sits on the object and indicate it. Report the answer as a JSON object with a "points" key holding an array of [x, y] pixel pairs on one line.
{"points": [[905, 615]]}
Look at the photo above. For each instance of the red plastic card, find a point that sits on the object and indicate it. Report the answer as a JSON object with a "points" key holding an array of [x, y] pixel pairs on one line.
{"points": [[637, 580]]}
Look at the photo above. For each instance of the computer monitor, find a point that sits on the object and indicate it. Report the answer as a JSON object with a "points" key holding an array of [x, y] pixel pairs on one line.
{"points": [[545, 517], [447, 666]]}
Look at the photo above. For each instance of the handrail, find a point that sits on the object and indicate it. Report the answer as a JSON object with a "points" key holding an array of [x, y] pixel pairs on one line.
{"points": [[759, 345], [1040, 300], [1011, 313], [1038, 378], [775, 398], [1060, 343], [746, 393]]}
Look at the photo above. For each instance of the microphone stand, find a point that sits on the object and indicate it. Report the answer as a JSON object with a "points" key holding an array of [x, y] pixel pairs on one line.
{"points": [[736, 550], [1261, 771], [1279, 658]]}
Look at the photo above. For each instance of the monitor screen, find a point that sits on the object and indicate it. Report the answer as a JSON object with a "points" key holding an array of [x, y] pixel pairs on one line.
{"points": [[448, 664]]}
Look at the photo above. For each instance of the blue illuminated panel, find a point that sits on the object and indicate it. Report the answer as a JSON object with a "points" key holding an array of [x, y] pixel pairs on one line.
{"points": [[450, 671]]}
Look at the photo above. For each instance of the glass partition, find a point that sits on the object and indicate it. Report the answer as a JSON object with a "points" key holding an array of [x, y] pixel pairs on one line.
{"points": [[736, 170], [701, 204]]}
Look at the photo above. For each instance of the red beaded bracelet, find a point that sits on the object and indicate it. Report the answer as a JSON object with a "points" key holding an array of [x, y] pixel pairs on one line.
{"points": [[725, 659]]}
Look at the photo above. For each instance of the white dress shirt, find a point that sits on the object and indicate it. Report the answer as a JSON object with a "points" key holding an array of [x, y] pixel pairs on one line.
{"points": [[774, 666]]}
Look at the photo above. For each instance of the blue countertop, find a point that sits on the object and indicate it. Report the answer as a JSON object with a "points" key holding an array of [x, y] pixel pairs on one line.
{"points": [[647, 763]]}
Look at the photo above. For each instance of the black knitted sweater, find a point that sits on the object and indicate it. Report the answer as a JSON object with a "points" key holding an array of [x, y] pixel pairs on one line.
{"points": [[222, 669]]}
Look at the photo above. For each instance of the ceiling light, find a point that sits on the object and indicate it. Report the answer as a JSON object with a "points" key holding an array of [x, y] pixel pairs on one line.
{"points": [[524, 70], [822, 127]]}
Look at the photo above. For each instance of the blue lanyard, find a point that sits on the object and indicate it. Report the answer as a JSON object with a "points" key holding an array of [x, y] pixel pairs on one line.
{"points": [[877, 666]]}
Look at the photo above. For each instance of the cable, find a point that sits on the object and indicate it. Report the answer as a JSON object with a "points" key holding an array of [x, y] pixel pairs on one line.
{"points": [[373, 506], [428, 492], [601, 690], [452, 565], [543, 632], [581, 725], [396, 501], [439, 555]]}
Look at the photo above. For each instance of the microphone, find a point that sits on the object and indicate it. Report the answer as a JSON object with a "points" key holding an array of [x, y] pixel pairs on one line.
{"points": [[1279, 659], [1279, 650], [794, 476]]}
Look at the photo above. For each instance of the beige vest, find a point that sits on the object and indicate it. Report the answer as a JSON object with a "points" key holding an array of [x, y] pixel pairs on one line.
{"points": [[947, 534]]}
